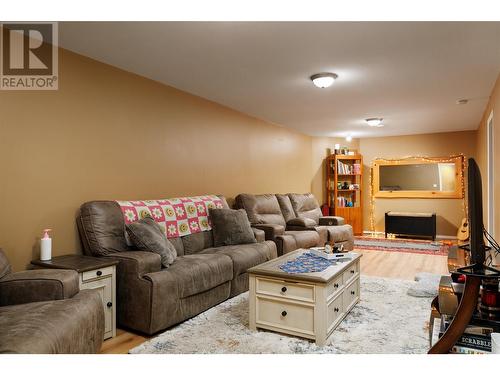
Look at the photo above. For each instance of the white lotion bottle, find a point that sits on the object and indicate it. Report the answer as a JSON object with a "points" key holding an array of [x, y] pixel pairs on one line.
{"points": [[46, 245]]}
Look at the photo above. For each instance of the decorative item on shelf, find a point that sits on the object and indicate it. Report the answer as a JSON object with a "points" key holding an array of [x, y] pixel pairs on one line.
{"points": [[354, 187], [337, 149], [345, 185], [325, 210], [339, 185], [350, 153], [449, 159]]}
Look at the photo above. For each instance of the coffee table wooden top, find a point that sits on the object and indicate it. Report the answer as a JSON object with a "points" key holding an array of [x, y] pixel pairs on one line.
{"points": [[271, 268]]}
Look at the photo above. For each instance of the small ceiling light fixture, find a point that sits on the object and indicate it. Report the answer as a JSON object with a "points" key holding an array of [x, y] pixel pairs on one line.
{"points": [[348, 138], [462, 101], [375, 121], [323, 80]]}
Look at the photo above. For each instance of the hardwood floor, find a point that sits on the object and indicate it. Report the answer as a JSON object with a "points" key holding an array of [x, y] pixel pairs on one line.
{"points": [[374, 263]]}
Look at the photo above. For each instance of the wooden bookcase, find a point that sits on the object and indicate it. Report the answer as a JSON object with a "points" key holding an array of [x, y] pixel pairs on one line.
{"points": [[344, 171]]}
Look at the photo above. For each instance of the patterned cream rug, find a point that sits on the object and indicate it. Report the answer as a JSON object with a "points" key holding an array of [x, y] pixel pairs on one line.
{"points": [[386, 320]]}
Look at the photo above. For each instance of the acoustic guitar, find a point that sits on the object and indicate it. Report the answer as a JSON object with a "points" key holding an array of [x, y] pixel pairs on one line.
{"points": [[463, 231]]}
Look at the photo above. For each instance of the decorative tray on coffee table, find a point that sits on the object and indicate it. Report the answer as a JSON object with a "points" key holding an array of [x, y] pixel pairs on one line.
{"points": [[320, 252]]}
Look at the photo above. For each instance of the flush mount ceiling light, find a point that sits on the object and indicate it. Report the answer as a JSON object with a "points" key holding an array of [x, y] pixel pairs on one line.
{"points": [[375, 121], [323, 80]]}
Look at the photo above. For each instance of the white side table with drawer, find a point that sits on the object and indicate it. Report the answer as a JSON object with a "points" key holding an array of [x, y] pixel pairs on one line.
{"points": [[93, 273]]}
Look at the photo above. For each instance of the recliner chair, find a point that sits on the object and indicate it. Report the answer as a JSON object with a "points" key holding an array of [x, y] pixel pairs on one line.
{"points": [[302, 212], [43, 312], [264, 212]]}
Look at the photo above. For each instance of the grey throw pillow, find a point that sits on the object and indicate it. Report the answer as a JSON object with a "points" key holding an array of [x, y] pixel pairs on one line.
{"points": [[230, 227], [147, 235]]}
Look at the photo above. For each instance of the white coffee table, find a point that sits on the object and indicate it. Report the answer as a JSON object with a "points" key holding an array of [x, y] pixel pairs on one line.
{"points": [[309, 305]]}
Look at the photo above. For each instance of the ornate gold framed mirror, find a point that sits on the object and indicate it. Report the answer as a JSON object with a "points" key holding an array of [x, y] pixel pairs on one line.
{"points": [[419, 177]]}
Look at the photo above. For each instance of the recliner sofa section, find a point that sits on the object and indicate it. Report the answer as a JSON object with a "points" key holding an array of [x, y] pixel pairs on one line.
{"points": [[43, 312], [265, 213], [151, 298], [304, 213]]}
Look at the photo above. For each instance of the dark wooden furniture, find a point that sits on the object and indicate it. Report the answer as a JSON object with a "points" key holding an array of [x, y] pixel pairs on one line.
{"points": [[79, 263], [411, 224]]}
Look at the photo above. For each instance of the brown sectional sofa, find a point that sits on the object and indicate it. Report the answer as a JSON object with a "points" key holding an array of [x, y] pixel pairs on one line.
{"points": [[150, 298], [43, 312], [294, 221]]}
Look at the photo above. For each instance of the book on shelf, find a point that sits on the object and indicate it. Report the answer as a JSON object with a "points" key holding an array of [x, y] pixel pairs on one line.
{"points": [[464, 350], [474, 339]]}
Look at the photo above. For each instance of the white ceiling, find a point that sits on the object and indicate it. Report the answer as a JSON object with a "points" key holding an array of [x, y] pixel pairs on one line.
{"points": [[409, 73]]}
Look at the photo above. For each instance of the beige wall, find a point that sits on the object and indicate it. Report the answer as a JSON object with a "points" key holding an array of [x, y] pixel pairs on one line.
{"points": [[481, 155], [109, 134], [449, 211]]}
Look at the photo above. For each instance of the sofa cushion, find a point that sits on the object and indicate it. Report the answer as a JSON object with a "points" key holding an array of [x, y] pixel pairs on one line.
{"points": [[196, 242], [146, 235], [286, 207], [5, 268], [246, 256], [301, 222], [73, 326], [261, 209], [231, 227], [305, 238], [306, 205], [193, 274], [102, 228], [340, 233], [38, 285], [178, 244]]}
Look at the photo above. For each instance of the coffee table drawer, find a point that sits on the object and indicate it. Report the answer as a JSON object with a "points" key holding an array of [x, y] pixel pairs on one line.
{"points": [[334, 286], [351, 272], [351, 295], [285, 315], [335, 312], [289, 290]]}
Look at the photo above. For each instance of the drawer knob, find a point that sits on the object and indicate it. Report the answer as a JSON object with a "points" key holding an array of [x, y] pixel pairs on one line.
{"points": [[283, 289], [336, 309], [98, 273], [336, 285], [109, 304], [352, 271], [353, 292], [283, 313]]}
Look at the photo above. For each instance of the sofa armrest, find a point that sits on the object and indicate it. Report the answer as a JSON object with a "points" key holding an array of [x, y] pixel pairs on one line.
{"points": [[137, 262], [259, 234], [270, 230], [38, 285], [331, 220], [301, 222]]}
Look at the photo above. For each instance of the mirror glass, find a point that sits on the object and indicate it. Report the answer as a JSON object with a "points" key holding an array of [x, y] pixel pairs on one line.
{"points": [[413, 177]]}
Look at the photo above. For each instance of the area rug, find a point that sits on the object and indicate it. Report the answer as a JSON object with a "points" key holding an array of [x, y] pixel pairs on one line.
{"points": [[386, 320], [401, 245]]}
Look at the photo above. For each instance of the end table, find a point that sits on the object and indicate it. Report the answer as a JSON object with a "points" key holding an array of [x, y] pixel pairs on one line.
{"points": [[93, 273]]}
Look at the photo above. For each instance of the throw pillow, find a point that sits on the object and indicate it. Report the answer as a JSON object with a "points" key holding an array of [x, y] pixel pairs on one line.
{"points": [[146, 235], [230, 227]]}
